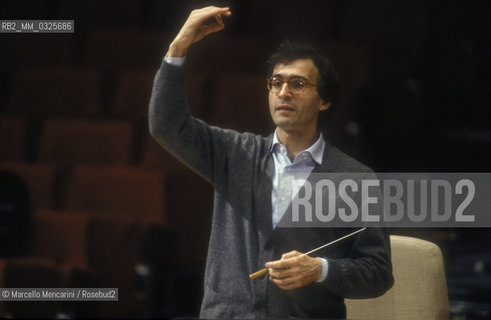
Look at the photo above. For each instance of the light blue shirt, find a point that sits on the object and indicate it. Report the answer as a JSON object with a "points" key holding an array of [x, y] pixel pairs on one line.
{"points": [[177, 61], [288, 173]]}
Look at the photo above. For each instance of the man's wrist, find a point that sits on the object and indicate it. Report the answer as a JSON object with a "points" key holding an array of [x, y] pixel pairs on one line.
{"points": [[177, 50]]}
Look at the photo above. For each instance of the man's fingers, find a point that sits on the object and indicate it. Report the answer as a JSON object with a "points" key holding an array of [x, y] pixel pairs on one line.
{"points": [[288, 260], [282, 282], [205, 14], [219, 19], [278, 264], [288, 272], [212, 28], [283, 273], [287, 283], [224, 10], [294, 270], [291, 254]]}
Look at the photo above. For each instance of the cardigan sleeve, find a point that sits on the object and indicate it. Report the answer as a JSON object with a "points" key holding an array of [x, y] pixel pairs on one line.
{"points": [[202, 147], [367, 271]]}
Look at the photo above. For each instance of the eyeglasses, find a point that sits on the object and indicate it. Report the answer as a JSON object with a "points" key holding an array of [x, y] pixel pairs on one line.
{"points": [[295, 84]]}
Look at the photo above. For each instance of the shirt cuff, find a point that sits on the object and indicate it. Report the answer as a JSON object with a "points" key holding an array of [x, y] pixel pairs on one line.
{"points": [[176, 61], [325, 268]]}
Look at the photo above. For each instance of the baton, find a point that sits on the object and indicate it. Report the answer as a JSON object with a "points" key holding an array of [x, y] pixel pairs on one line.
{"points": [[263, 271]]}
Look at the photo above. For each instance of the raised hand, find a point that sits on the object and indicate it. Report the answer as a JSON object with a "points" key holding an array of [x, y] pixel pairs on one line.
{"points": [[195, 28]]}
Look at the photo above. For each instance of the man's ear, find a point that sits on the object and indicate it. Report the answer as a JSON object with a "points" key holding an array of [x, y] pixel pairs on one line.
{"points": [[325, 105]]}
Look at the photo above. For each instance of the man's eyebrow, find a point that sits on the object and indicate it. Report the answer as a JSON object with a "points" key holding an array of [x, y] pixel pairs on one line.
{"points": [[279, 75]]}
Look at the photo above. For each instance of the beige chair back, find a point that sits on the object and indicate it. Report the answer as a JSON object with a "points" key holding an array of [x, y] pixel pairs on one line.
{"points": [[419, 291]]}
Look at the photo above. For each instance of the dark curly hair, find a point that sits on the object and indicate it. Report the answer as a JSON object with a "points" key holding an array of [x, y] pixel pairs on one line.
{"points": [[327, 83]]}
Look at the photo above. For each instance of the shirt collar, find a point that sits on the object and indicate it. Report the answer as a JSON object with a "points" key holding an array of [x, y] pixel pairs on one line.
{"points": [[316, 150]]}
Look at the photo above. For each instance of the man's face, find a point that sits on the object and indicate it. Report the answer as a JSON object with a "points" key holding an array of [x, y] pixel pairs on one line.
{"points": [[294, 111]]}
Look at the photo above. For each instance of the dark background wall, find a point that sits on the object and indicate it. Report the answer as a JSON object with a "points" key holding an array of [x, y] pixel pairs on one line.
{"points": [[414, 77]]}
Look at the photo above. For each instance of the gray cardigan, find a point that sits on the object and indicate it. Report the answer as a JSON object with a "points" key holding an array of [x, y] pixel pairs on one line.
{"points": [[240, 167]]}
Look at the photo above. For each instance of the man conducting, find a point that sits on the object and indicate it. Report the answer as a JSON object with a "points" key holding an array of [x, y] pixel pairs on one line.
{"points": [[250, 173]]}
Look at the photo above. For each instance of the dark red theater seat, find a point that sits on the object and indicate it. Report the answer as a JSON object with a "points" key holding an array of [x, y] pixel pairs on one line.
{"points": [[132, 94], [156, 157], [40, 180], [118, 192], [73, 141], [61, 237], [29, 273], [58, 91], [189, 209], [12, 138], [116, 246]]}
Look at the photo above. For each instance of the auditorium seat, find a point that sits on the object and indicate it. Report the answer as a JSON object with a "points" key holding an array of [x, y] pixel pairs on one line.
{"points": [[419, 291], [54, 258], [96, 248], [12, 138], [132, 94], [189, 209], [58, 91], [116, 246], [132, 97], [40, 180], [39, 272], [189, 202], [240, 102], [117, 191], [77, 141], [29, 273], [61, 237], [115, 49], [156, 157]]}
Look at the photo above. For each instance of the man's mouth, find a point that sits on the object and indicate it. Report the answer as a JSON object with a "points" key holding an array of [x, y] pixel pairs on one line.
{"points": [[284, 107]]}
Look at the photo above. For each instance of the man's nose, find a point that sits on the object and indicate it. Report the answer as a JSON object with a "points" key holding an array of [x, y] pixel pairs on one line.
{"points": [[285, 92]]}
